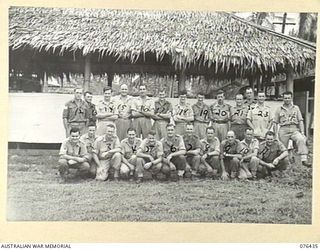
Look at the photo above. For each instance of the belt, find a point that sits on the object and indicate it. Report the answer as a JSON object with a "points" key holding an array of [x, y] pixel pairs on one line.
{"points": [[202, 122], [288, 126], [78, 122], [220, 122]]}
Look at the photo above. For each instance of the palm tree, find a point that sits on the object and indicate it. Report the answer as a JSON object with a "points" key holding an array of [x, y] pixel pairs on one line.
{"points": [[308, 26]]}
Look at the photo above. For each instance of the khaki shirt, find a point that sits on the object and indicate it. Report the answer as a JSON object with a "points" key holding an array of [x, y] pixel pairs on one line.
{"points": [[172, 145], [250, 104], [92, 112], [154, 149], [201, 112], [128, 149], [268, 154], [288, 116], [76, 111], [220, 113], [73, 149], [249, 148], [103, 144], [261, 118], [191, 142], [104, 107], [88, 141], [238, 115], [183, 110], [230, 148], [123, 106], [162, 107], [208, 147], [145, 105]]}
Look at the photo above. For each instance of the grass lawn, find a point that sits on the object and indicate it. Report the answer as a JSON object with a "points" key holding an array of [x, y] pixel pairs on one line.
{"points": [[35, 193]]}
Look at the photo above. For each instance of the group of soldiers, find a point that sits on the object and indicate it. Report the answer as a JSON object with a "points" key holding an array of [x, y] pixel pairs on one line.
{"points": [[129, 138]]}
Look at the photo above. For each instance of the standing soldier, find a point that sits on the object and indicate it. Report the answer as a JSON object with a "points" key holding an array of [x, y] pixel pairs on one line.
{"points": [[149, 156], [238, 117], [182, 114], [142, 111], [123, 102], [129, 147], [210, 152], [91, 108], [174, 152], [162, 115], [201, 117], [273, 155], [88, 139], [220, 116], [249, 162], [249, 102], [193, 147], [259, 118], [75, 113], [290, 120], [106, 153], [107, 112], [230, 156], [73, 154]]}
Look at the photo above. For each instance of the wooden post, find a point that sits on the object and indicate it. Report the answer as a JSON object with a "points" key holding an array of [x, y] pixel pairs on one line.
{"points": [[181, 81], [290, 78], [45, 83], [87, 72], [110, 78]]}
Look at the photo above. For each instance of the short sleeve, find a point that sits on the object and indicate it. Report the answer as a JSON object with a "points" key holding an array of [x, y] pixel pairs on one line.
{"points": [[181, 144], [117, 143], [277, 116], [83, 150], [63, 149], [249, 115], [217, 145], [142, 146], [198, 144], [160, 149], [255, 144], [65, 112], [95, 149], [282, 148], [299, 116]]}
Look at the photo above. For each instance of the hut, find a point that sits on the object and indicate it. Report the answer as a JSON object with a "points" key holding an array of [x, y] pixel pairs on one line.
{"points": [[215, 45]]}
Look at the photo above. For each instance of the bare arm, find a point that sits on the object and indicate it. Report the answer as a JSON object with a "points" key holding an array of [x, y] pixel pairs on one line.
{"points": [[193, 152], [301, 126]]}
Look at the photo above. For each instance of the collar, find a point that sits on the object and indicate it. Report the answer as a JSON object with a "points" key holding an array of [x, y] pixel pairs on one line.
{"points": [[73, 144], [286, 108]]}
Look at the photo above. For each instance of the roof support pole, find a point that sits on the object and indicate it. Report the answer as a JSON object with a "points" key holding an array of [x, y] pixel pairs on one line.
{"points": [[45, 83], [290, 77], [87, 72], [110, 78], [181, 81]]}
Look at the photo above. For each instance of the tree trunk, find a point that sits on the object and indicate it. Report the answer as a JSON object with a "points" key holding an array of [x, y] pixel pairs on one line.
{"points": [[290, 77], [87, 72], [181, 81], [45, 83], [110, 79]]}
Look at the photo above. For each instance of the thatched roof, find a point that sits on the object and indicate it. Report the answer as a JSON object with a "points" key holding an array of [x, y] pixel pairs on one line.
{"points": [[215, 40]]}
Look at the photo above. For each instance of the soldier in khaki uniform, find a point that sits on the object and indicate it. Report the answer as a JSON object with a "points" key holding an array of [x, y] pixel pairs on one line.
{"points": [[210, 152], [201, 113], [230, 156], [249, 162], [249, 101], [129, 147], [162, 115], [174, 153], [273, 155], [142, 109], [73, 154], [106, 153], [193, 148], [149, 156], [91, 107], [75, 113], [107, 112], [182, 114], [238, 117], [220, 116], [88, 139], [123, 104], [290, 120], [259, 119]]}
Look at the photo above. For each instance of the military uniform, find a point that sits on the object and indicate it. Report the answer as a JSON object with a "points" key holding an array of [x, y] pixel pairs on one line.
{"points": [[102, 145], [231, 164], [289, 118], [238, 119], [89, 142], [192, 142], [185, 111], [77, 115], [104, 107], [250, 104], [142, 125], [220, 117], [160, 125], [201, 119], [73, 149], [129, 152], [261, 119], [153, 149], [124, 120], [268, 154], [92, 112], [253, 162], [172, 145], [212, 160]]}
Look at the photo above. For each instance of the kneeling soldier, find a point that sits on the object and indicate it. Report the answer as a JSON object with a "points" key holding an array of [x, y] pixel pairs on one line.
{"points": [[73, 154], [250, 162], [273, 155], [230, 156], [129, 148], [210, 152], [106, 153], [174, 152], [149, 156]]}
